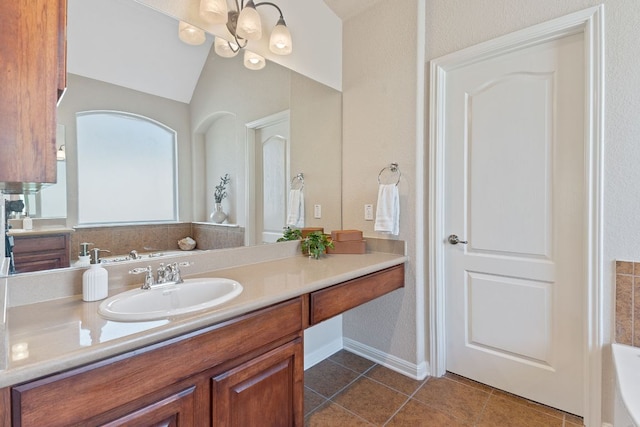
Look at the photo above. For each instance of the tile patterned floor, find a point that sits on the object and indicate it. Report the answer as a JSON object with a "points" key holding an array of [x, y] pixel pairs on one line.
{"points": [[348, 390]]}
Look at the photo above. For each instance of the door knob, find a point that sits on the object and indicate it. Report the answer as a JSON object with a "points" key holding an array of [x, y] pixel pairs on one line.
{"points": [[454, 240]]}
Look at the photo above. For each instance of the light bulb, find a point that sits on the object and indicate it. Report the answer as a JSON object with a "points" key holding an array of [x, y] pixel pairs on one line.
{"points": [[253, 61], [225, 48], [190, 34], [280, 40], [249, 25]]}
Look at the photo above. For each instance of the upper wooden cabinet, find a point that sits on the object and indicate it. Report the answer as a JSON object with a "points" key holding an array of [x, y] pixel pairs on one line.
{"points": [[32, 57]]}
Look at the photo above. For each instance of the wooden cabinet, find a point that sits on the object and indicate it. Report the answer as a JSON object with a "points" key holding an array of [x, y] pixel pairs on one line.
{"points": [[175, 410], [41, 252], [32, 51], [250, 356], [247, 371], [261, 392], [337, 299]]}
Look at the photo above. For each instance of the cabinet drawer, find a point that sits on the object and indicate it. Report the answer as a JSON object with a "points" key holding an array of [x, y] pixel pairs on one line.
{"points": [[332, 301], [40, 243], [35, 253]]}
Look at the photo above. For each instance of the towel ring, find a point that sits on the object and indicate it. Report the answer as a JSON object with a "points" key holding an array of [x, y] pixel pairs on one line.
{"points": [[297, 182], [393, 172]]}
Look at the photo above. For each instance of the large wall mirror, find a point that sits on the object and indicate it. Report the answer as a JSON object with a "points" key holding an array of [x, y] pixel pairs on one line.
{"points": [[211, 122]]}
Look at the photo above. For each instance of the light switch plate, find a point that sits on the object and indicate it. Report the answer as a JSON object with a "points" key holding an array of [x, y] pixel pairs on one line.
{"points": [[368, 212], [317, 211]]}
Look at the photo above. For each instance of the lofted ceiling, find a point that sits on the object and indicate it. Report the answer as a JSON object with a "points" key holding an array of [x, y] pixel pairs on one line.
{"points": [[128, 44], [346, 9]]}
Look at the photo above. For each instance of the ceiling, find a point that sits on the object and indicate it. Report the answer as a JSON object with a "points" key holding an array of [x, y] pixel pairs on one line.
{"points": [[128, 44], [346, 9]]}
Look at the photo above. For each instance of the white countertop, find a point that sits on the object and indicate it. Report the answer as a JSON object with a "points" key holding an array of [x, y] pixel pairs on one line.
{"points": [[53, 336], [40, 231]]}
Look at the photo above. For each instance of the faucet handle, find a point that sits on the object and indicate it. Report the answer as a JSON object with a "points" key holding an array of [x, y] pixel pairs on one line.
{"points": [[175, 270], [148, 278]]}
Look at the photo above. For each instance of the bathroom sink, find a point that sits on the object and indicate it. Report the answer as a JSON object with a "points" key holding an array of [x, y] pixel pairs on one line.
{"points": [[169, 300]]}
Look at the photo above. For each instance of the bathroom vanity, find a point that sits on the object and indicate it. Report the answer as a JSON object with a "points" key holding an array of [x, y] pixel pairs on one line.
{"points": [[238, 364]]}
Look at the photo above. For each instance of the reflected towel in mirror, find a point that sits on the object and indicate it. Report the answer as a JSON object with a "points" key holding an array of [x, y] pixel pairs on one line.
{"points": [[295, 212], [388, 209]]}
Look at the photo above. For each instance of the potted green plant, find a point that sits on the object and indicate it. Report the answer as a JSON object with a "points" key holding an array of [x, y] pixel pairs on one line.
{"points": [[290, 234], [316, 243]]}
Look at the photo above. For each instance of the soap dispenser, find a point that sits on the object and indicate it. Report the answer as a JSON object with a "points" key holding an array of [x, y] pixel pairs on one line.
{"points": [[95, 281], [84, 257], [27, 222]]}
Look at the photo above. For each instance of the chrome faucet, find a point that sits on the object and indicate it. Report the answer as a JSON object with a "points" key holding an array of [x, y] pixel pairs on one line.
{"points": [[166, 274], [161, 274]]}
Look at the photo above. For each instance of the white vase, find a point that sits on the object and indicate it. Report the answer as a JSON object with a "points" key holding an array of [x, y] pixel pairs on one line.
{"points": [[218, 216]]}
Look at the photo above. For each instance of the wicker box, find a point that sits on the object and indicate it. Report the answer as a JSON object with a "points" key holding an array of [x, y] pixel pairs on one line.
{"points": [[346, 235], [348, 247], [308, 230]]}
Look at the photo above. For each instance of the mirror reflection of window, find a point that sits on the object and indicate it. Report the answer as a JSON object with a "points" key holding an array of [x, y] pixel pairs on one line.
{"points": [[52, 200], [126, 169]]}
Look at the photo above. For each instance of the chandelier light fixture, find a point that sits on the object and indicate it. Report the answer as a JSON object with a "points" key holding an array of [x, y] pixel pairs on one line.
{"points": [[190, 34], [244, 24]]}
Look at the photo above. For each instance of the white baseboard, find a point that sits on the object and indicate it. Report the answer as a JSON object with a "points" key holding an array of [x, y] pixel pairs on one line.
{"points": [[418, 372], [317, 355]]}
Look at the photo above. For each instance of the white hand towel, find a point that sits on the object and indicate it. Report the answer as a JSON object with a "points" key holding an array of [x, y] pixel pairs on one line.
{"points": [[388, 209], [295, 215]]}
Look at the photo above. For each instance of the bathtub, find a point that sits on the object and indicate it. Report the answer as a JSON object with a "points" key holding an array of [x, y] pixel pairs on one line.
{"points": [[626, 360], [148, 255]]}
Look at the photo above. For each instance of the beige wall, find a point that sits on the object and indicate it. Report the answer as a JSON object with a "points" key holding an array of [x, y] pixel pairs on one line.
{"points": [[379, 104], [227, 89], [316, 148], [378, 94]]}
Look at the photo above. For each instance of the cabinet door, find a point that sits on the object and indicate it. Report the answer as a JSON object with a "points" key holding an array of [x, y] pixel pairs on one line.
{"points": [[266, 391], [35, 253], [177, 410], [29, 82]]}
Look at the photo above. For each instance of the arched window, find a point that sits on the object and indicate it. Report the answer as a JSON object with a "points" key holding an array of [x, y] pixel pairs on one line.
{"points": [[127, 169]]}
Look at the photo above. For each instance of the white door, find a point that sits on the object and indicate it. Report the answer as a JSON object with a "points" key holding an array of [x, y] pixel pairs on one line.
{"points": [[514, 190], [272, 171]]}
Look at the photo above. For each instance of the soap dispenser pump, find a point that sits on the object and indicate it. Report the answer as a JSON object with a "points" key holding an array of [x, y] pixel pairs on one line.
{"points": [[84, 257], [95, 281]]}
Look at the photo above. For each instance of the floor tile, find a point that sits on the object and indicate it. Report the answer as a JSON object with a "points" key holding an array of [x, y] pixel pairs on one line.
{"points": [[327, 378], [370, 400], [417, 414], [312, 400], [363, 393], [393, 379], [333, 415], [467, 381], [533, 405], [574, 419], [501, 412], [454, 398], [351, 361]]}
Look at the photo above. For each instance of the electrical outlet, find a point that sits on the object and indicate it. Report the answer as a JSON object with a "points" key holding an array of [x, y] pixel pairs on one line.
{"points": [[368, 212], [317, 211]]}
